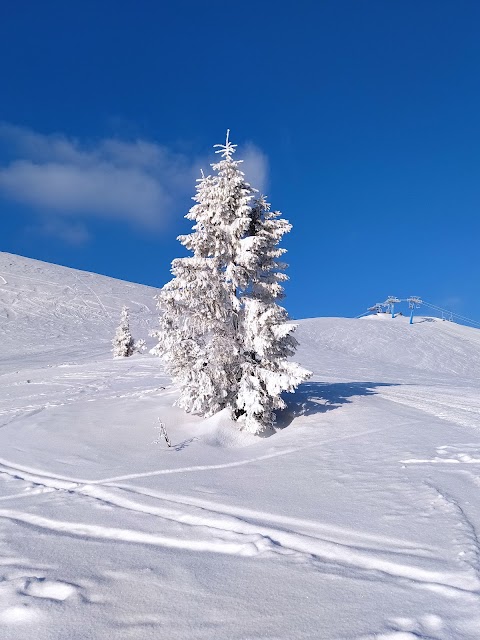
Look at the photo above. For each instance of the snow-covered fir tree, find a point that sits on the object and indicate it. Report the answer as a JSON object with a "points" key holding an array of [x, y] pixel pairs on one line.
{"points": [[223, 337], [123, 344], [267, 335], [140, 345], [199, 329]]}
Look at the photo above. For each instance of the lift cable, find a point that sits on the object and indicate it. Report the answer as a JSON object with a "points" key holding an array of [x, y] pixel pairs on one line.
{"points": [[452, 313]]}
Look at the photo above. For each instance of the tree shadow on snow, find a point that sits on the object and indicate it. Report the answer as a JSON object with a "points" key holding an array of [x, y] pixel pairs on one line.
{"points": [[319, 397], [183, 445]]}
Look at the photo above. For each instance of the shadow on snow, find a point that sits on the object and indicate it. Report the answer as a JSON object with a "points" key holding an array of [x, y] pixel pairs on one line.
{"points": [[319, 397]]}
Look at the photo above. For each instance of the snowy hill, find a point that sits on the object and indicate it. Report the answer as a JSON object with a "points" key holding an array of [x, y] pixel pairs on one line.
{"points": [[357, 519], [431, 349], [44, 305]]}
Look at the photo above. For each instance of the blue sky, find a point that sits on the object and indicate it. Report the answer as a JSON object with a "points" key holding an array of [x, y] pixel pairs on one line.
{"points": [[359, 118]]}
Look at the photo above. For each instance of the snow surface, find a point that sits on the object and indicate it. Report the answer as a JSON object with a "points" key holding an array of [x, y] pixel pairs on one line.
{"points": [[359, 518]]}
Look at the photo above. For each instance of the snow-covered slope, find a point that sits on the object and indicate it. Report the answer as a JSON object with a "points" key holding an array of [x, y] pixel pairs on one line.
{"points": [[357, 519], [45, 307], [431, 349]]}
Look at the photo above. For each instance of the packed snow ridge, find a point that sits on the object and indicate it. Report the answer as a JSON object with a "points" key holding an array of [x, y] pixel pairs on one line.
{"points": [[358, 518]]}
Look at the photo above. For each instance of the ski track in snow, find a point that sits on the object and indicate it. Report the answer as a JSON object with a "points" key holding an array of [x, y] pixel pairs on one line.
{"points": [[439, 403], [330, 532], [238, 463], [258, 541], [465, 520], [40, 476], [451, 454], [77, 385], [97, 532], [252, 539], [94, 294]]}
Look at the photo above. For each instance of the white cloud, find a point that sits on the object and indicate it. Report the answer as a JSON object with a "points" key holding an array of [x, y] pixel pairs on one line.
{"points": [[454, 303], [97, 189], [71, 233], [134, 181], [255, 166]]}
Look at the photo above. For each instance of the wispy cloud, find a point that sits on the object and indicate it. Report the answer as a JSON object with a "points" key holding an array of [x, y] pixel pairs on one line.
{"points": [[67, 231], [66, 180], [453, 303], [255, 166], [134, 181], [100, 189]]}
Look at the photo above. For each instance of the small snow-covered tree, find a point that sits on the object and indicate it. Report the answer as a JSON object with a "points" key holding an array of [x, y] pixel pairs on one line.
{"points": [[224, 338], [123, 344]]}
